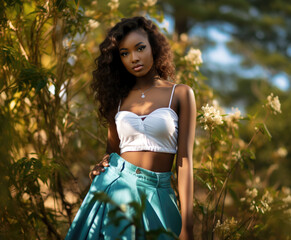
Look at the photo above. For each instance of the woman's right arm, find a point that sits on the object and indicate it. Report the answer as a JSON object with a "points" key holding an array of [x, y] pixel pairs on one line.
{"points": [[112, 146], [112, 139]]}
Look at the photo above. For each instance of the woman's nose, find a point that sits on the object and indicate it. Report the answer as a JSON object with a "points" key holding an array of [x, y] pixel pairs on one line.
{"points": [[134, 57]]}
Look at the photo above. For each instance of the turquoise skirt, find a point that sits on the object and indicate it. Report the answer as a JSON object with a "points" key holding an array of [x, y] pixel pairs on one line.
{"points": [[122, 217]]}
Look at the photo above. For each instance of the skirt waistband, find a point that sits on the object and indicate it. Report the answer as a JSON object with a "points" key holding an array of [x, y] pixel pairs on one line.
{"points": [[155, 179]]}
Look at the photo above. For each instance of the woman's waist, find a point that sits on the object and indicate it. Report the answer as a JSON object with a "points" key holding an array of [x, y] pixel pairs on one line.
{"points": [[121, 166], [153, 161]]}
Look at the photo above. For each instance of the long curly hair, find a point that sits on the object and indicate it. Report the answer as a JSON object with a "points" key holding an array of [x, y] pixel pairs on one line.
{"points": [[111, 81]]}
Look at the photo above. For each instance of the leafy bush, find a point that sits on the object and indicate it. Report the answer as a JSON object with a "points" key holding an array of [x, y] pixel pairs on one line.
{"points": [[50, 132]]}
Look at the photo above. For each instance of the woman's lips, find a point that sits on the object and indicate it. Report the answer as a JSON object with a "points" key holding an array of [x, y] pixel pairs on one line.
{"points": [[137, 68]]}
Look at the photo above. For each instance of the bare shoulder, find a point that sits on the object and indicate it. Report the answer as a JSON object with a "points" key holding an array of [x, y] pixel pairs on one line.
{"points": [[184, 93], [183, 88]]}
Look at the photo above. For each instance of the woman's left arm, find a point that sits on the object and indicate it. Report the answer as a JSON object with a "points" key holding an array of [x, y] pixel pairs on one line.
{"points": [[187, 124]]}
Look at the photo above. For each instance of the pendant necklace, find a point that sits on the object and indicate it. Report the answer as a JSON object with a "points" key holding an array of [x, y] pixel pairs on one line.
{"points": [[143, 92]]}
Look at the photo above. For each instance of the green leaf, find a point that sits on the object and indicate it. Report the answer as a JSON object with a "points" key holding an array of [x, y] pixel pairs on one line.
{"points": [[37, 164], [208, 186], [263, 129], [199, 116], [204, 182]]}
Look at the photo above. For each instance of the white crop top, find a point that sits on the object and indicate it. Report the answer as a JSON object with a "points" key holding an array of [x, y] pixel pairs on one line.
{"points": [[157, 131]]}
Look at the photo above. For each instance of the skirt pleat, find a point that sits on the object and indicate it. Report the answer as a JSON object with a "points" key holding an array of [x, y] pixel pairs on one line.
{"points": [[125, 183]]}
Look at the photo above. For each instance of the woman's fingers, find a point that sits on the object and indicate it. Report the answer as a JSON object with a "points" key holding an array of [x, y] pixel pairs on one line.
{"points": [[99, 167], [105, 164], [95, 172], [106, 157], [91, 176]]}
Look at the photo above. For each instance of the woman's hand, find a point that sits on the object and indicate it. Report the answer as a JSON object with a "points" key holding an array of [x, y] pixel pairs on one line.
{"points": [[99, 167]]}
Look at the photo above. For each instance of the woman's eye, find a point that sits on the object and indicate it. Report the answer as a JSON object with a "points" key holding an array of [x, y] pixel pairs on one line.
{"points": [[123, 54], [141, 48]]}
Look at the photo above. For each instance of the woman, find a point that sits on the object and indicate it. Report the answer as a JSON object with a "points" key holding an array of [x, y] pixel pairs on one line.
{"points": [[150, 120]]}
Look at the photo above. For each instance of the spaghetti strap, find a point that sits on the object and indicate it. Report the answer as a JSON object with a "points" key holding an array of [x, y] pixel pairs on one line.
{"points": [[119, 105], [172, 95]]}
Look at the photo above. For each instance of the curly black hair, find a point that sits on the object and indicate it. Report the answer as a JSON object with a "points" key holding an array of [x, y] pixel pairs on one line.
{"points": [[111, 81]]}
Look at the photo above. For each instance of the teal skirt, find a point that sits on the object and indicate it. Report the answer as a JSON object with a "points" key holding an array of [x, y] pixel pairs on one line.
{"points": [[137, 204]]}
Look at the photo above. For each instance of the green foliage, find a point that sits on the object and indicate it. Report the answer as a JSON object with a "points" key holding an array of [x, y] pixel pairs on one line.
{"points": [[50, 132]]}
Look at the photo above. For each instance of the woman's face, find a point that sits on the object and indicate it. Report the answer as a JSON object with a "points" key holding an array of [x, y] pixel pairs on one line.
{"points": [[136, 53]]}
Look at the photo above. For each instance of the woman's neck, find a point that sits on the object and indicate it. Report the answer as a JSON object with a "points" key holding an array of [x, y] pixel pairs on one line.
{"points": [[148, 80]]}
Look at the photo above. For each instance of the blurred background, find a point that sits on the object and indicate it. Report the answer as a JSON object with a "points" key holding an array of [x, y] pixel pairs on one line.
{"points": [[51, 135]]}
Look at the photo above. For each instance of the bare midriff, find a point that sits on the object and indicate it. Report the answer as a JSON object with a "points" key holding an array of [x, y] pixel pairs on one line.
{"points": [[153, 161]]}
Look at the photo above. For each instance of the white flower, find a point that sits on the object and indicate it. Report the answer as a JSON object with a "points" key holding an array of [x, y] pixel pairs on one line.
{"points": [[211, 117], [268, 198], [66, 43], [93, 24], [11, 25], [194, 57], [82, 46], [225, 166], [113, 4], [287, 199], [282, 152], [184, 37], [150, 3], [236, 155], [286, 190], [262, 205], [233, 118], [252, 193], [274, 103], [236, 115], [72, 59], [227, 227]]}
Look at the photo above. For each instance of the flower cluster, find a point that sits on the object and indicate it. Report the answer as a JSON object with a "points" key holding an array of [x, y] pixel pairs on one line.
{"points": [[282, 152], [233, 118], [194, 57], [113, 4], [251, 194], [93, 24], [286, 190], [210, 117], [274, 103], [286, 206], [287, 200], [265, 202], [236, 156], [150, 3], [256, 182], [259, 205], [227, 228]]}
